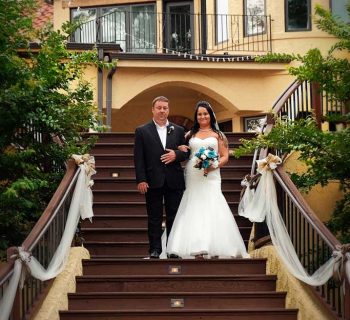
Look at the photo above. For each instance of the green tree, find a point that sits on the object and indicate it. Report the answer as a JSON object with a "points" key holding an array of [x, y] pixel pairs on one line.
{"points": [[331, 71], [42, 97]]}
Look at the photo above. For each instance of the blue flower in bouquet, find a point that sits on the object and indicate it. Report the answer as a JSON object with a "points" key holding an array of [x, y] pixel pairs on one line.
{"points": [[206, 157]]}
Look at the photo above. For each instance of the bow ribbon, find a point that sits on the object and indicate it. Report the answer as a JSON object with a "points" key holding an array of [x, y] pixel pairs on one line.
{"points": [[269, 163], [341, 254]]}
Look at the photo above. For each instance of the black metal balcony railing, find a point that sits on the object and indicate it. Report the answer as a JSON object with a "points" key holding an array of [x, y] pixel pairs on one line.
{"points": [[145, 32]]}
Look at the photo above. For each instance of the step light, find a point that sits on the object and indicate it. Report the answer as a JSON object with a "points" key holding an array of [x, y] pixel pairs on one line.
{"points": [[177, 303], [174, 269], [115, 174]]}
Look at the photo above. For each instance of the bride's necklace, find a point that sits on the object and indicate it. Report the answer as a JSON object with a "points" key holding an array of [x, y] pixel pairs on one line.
{"points": [[205, 130]]}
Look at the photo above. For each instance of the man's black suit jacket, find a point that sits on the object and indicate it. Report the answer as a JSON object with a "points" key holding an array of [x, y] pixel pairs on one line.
{"points": [[147, 152]]}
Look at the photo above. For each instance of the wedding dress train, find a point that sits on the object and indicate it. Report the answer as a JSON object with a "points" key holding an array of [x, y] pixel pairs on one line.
{"points": [[204, 223]]}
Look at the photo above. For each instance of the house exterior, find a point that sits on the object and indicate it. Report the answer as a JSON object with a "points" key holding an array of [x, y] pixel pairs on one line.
{"points": [[192, 50]]}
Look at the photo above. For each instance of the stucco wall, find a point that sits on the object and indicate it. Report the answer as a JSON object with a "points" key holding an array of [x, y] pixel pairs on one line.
{"points": [[322, 200]]}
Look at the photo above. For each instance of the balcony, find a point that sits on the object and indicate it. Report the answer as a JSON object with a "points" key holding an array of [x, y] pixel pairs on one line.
{"points": [[175, 32]]}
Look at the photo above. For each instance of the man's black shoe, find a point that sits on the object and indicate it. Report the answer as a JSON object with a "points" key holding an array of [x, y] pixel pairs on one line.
{"points": [[154, 255], [173, 256]]}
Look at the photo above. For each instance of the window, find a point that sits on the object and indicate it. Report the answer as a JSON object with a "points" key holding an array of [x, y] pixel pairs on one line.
{"points": [[133, 27], [338, 8], [254, 17], [254, 124], [86, 33], [221, 20], [297, 15]]}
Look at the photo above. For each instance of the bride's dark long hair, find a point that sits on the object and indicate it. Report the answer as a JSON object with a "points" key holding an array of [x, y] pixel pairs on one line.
{"points": [[213, 122]]}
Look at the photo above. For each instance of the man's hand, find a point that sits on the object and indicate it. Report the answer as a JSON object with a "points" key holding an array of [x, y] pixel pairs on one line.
{"points": [[142, 187], [168, 157]]}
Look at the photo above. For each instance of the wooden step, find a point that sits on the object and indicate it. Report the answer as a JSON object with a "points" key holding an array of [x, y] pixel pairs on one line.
{"points": [[206, 314], [132, 208], [110, 159], [114, 234], [117, 249], [118, 195], [165, 300], [122, 208], [134, 195], [124, 148], [130, 183], [129, 137], [176, 283], [129, 234], [123, 137], [112, 221], [121, 249], [136, 221], [174, 267]]}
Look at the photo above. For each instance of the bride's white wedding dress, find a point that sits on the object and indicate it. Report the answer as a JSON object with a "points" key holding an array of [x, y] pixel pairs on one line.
{"points": [[204, 223]]}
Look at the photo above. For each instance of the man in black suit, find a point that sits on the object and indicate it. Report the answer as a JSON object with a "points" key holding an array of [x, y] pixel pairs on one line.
{"points": [[159, 174]]}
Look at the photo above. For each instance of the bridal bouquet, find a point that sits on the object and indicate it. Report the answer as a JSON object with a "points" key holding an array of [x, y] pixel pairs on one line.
{"points": [[206, 157]]}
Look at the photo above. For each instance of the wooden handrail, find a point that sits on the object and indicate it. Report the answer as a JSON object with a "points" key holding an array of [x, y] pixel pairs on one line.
{"points": [[289, 101], [50, 210], [287, 184], [280, 101], [29, 243]]}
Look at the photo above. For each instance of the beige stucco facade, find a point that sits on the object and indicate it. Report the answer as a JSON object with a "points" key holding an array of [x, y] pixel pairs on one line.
{"points": [[235, 89]]}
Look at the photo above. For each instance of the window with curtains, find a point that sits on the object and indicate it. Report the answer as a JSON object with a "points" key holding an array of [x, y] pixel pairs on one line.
{"points": [[298, 15], [133, 27], [338, 8], [221, 10], [254, 17]]}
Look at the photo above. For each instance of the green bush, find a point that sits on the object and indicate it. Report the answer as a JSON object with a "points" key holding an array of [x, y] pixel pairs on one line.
{"points": [[42, 97]]}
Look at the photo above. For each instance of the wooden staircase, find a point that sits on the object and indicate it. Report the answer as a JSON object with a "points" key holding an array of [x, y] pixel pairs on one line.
{"points": [[118, 283]]}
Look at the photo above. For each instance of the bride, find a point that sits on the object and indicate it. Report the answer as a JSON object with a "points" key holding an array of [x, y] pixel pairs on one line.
{"points": [[204, 224]]}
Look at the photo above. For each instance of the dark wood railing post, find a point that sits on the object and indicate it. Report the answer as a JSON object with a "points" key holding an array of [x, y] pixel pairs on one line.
{"points": [[316, 102], [16, 309], [347, 300]]}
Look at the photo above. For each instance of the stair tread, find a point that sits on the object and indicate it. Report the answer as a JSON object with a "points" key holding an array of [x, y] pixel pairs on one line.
{"points": [[178, 293], [141, 311], [250, 277], [209, 261]]}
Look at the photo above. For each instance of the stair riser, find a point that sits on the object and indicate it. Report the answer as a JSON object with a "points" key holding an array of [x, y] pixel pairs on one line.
{"points": [[164, 303], [132, 209], [132, 196], [189, 285], [270, 315], [218, 267], [114, 236], [109, 235], [135, 196], [115, 137], [116, 249], [118, 184], [128, 160], [130, 222], [116, 223], [130, 137], [127, 148], [120, 209], [126, 172]]}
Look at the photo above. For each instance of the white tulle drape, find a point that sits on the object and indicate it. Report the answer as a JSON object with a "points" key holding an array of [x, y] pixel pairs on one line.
{"points": [[262, 204], [80, 207]]}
